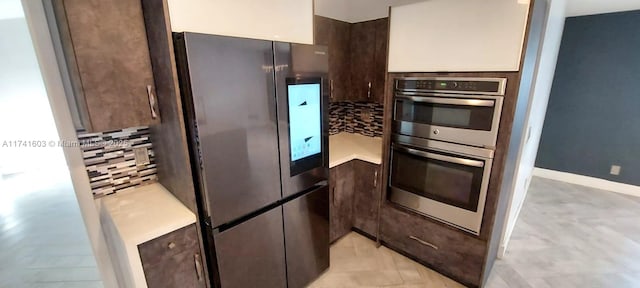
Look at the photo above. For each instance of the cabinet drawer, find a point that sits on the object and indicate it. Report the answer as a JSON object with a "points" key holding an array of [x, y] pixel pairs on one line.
{"points": [[166, 246], [444, 249]]}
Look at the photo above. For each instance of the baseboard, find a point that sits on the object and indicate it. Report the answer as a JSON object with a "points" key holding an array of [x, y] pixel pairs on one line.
{"points": [[588, 181], [504, 243]]}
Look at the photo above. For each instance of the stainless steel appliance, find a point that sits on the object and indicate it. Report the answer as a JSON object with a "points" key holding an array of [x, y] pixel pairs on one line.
{"points": [[256, 115], [445, 131], [447, 182], [458, 110]]}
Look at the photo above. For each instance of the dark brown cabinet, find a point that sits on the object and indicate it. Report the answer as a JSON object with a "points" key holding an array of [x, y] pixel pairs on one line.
{"points": [[173, 260], [355, 198], [341, 199], [369, 60], [335, 35], [104, 45], [366, 200], [445, 249], [363, 37], [380, 60], [357, 58]]}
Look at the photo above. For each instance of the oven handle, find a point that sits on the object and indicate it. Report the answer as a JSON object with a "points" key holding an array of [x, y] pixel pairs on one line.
{"points": [[451, 101], [462, 161]]}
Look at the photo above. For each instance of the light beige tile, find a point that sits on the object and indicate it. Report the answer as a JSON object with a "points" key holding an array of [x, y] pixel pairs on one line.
{"points": [[378, 278], [357, 262], [410, 276]]}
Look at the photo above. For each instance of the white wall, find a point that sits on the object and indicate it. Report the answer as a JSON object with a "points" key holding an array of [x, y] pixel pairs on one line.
{"points": [[10, 9], [48, 64], [460, 35], [24, 107], [535, 116], [280, 20]]}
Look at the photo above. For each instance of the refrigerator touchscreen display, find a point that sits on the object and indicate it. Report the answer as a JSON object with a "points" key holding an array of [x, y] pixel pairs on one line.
{"points": [[305, 124]]}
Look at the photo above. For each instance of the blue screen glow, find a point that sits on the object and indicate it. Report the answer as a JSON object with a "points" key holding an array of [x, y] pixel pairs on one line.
{"points": [[304, 120]]}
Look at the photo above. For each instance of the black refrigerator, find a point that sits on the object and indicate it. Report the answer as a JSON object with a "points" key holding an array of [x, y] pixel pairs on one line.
{"points": [[257, 122]]}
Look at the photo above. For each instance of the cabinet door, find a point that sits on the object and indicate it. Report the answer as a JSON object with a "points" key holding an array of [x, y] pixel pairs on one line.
{"points": [[366, 197], [335, 35], [380, 60], [339, 60], [177, 252], [341, 197], [362, 55], [321, 31], [447, 250], [109, 50], [457, 36]]}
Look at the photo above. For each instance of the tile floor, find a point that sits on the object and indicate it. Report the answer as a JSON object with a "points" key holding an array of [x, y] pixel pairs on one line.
{"points": [[43, 241], [567, 236], [572, 236], [357, 262]]}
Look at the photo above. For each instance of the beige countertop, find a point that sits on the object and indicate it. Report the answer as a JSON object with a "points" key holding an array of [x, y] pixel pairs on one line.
{"points": [[130, 218], [344, 147]]}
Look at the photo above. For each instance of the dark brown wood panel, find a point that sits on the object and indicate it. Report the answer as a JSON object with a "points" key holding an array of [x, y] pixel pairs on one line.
{"points": [[454, 254], [340, 60], [363, 37], [341, 200], [335, 35], [173, 260], [380, 59], [366, 200], [169, 137], [321, 30], [110, 52]]}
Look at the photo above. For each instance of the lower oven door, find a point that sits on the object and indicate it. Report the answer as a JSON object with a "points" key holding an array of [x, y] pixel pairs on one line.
{"points": [[449, 187]]}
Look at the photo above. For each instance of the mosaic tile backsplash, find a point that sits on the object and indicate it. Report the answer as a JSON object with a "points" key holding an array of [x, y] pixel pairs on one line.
{"points": [[110, 162], [356, 117]]}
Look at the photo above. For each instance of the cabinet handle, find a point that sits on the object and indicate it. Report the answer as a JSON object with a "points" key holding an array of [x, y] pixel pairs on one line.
{"points": [[331, 89], [171, 245], [369, 91], [425, 243], [152, 102], [375, 179], [196, 259]]}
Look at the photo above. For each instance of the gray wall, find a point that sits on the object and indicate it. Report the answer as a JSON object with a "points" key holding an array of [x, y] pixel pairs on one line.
{"points": [[593, 117]]}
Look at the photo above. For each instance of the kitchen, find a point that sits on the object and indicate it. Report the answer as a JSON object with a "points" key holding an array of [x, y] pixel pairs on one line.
{"points": [[381, 110]]}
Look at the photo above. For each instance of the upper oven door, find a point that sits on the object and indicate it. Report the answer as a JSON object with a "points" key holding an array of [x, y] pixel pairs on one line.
{"points": [[446, 186], [465, 119]]}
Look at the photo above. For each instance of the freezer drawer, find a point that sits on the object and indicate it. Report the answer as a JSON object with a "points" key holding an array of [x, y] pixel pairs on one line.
{"points": [[306, 227], [251, 254]]}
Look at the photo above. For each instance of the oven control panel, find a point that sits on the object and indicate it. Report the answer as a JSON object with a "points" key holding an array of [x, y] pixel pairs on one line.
{"points": [[484, 86]]}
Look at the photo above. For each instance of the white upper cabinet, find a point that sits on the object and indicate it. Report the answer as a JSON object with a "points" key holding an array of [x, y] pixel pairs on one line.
{"points": [[457, 35], [278, 20]]}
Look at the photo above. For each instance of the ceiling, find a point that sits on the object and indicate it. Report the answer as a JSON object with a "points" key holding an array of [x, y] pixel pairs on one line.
{"points": [[357, 10], [10, 9], [590, 7]]}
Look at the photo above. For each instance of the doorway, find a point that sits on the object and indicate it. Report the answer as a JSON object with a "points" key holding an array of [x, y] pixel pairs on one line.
{"points": [[43, 238]]}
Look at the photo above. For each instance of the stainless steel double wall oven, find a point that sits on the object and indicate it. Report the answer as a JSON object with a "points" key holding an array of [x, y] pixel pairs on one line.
{"points": [[444, 137]]}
